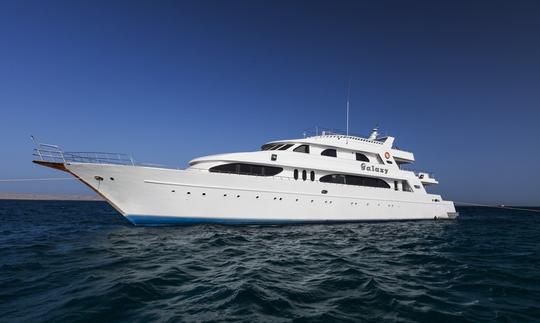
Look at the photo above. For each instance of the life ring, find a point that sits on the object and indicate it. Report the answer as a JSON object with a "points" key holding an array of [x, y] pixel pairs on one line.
{"points": [[387, 155]]}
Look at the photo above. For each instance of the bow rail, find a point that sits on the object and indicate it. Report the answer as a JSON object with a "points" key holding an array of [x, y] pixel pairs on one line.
{"points": [[55, 154]]}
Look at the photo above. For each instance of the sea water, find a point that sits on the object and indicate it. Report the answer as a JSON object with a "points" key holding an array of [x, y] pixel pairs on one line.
{"points": [[81, 261]]}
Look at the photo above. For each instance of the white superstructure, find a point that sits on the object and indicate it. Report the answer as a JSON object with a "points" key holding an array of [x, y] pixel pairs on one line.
{"points": [[326, 177]]}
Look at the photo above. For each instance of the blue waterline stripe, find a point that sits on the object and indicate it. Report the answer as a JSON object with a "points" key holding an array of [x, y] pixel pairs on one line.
{"points": [[151, 220], [171, 220]]}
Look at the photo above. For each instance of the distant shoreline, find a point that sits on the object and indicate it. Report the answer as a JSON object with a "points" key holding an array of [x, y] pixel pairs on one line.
{"points": [[40, 197]]}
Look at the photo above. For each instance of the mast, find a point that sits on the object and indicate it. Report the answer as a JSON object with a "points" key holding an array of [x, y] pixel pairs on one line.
{"points": [[348, 103]]}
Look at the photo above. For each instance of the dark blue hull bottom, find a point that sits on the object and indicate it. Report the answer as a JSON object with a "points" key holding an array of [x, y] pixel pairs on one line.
{"points": [[150, 220]]}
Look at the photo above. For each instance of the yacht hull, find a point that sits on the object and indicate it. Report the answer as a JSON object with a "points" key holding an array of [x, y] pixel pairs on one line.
{"points": [[159, 196]]}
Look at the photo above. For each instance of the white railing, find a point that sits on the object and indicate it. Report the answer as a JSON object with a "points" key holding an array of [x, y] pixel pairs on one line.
{"points": [[321, 131], [54, 154], [418, 172]]}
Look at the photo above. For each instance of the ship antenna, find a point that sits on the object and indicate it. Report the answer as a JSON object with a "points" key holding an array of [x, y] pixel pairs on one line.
{"points": [[348, 103]]}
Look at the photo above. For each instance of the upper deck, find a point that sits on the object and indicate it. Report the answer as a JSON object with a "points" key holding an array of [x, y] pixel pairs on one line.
{"points": [[336, 139]]}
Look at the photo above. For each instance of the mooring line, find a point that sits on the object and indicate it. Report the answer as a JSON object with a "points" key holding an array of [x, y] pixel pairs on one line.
{"points": [[36, 179], [498, 207]]}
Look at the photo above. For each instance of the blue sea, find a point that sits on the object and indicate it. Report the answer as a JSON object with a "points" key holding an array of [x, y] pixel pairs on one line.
{"points": [[81, 261]]}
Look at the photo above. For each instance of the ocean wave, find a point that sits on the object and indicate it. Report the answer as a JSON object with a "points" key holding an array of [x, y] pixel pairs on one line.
{"points": [[73, 261]]}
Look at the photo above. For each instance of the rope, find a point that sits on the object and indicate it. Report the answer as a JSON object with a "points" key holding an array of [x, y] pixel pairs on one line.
{"points": [[36, 179], [499, 207]]}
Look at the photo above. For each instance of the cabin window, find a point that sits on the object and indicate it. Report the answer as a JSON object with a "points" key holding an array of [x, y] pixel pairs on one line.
{"points": [[329, 153], [276, 147], [285, 147], [362, 157], [304, 175], [354, 180], [334, 178], [246, 169], [312, 176], [406, 187], [296, 174], [302, 149], [267, 146]]}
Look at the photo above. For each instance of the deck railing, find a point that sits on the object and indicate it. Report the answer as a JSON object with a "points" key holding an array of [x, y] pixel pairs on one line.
{"points": [[55, 154], [417, 172], [322, 131]]}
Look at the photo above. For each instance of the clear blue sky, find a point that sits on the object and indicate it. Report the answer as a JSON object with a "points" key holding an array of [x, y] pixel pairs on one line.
{"points": [[456, 82]]}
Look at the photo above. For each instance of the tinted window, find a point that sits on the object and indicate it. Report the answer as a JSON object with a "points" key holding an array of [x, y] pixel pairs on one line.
{"points": [[334, 178], [246, 169], [277, 147], [354, 180], [406, 187], [267, 146], [329, 153], [302, 149], [362, 157], [285, 147]]}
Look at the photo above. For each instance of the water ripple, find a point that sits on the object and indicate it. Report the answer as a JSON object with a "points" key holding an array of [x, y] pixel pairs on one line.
{"points": [[78, 261]]}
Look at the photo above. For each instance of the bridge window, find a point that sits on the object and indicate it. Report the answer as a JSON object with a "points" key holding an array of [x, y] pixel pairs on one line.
{"points": [[276, 147], [246, 169], [268, 146], [329, 153], [285, 147], [302, 149], [354, 180], [362, 157]]}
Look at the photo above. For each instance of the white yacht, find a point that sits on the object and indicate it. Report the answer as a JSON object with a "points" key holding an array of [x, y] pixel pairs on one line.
{"points": [[327, 177]]}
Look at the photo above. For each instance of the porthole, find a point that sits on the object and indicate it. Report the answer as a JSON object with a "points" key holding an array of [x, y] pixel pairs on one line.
{"points": [[257, 196], [203, 194], [280, 199], [224, 195], [275, 198], [237, 196], [296, 174], [188, 193], [304, 175], [312, 176], [173, 191], [112, 178]]}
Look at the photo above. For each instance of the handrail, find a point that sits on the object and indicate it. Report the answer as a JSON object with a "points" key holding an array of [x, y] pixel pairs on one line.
{"points": [[417, 172], [323, 131], [55, 154]]}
